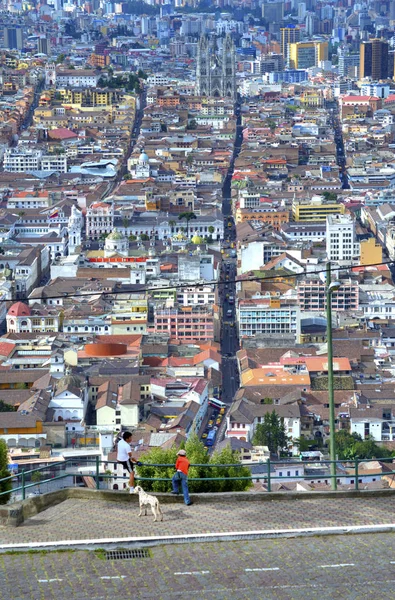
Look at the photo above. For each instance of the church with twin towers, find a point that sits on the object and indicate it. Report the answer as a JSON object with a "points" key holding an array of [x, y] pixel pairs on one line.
{"points": [[216, 67]]}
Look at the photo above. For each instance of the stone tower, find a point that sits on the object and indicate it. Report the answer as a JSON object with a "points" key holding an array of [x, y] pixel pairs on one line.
{"points": [[74, 227], [50, 75], [216, 68]]}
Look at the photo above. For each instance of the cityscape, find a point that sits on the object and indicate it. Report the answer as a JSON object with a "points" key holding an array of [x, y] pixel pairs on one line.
{"points": [[197, 246]]}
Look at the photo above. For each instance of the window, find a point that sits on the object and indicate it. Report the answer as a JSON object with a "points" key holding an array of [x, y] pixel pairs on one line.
{"points": [[280, 474]]}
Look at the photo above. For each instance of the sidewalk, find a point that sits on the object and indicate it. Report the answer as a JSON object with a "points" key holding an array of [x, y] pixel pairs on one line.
{"points": [[78, 521]]}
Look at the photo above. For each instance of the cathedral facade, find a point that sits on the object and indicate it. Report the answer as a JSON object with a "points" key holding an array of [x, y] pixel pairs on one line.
{"points": [[216, 68]]}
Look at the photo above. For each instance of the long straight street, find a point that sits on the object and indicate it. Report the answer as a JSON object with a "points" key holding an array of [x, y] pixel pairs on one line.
{"points": [[227, 290]]}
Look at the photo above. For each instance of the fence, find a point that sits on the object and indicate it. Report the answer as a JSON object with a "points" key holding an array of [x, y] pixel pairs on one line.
{"points": [[27, 480]]}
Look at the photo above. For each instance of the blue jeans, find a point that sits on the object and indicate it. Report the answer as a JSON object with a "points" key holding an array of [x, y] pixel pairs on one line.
{"points": [[177, 478]]}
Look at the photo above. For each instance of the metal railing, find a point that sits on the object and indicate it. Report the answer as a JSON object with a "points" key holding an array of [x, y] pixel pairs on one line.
{"points": [[25, 483]]}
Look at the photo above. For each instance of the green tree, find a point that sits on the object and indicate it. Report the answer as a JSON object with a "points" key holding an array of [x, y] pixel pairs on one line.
{"points": [[132, 238], [125, 223], [172, 224], [60, 59], [187, 216], [5, 486], [211, 230], [303, 444], [271, 433], [227, 457], [330, 196], [36, 478], [144, 237], [196, 455], [4, 407], [192, 124], [267, 401], [351, 445]]}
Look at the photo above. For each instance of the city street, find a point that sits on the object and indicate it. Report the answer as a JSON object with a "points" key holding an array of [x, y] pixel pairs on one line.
{"points": [[349, 567], [227, 288]]}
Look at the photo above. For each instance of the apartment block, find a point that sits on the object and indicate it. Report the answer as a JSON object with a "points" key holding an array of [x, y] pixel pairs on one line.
{"points": [[186, 323], [312, 296], [341, 243], [315, 209], [267, 316]]}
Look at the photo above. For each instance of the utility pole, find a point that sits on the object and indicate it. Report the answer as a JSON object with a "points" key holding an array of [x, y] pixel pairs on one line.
{"points": [[330, 288]]}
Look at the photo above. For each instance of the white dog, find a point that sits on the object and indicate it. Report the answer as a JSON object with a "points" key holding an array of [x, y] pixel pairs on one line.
{"points": [[147, 500]]}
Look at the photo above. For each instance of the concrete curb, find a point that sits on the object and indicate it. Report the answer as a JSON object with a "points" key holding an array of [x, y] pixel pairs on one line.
{"points": [[145, 542]]}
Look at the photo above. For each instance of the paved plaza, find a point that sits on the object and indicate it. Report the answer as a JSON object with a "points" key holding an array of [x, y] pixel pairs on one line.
{"points": [[344, 568], [87, 519]]}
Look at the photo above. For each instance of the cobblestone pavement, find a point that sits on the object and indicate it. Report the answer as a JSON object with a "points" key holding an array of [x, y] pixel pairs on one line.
{"points": [[348, 568], [77, 519]]}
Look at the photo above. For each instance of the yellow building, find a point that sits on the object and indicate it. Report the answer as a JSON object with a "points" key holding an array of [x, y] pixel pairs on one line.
{"points": [[312, 98], [303, 55], [315, 209], [130, 315], [371, 252]]}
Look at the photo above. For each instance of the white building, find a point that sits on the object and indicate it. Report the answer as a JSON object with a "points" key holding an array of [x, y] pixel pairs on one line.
{"points": [[99, 220], [267, 317], [76, 78], [196, 295], [69, 402], [21, 161], [341, 244], [27, 160], [373, 88], [54, 162]]}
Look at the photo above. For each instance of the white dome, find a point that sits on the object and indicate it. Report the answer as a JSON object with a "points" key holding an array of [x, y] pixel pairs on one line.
{"points": [[143, 158]]}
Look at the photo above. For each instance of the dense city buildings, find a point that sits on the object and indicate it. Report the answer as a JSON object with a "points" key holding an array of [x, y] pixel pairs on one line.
{"points": [[178, 182]]}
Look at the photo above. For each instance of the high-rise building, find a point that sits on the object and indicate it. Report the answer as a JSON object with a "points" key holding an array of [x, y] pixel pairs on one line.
{"points": [[43, 45], [303, 55], [13, 37], [341, 243], [216, 68], [273, 12], [288, 35], [374, 59]]}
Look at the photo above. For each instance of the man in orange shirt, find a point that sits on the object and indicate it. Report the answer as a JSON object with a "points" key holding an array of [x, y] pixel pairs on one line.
{"points": [[181, 475]]}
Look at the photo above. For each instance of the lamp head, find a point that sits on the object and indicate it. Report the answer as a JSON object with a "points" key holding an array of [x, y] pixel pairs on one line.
{"points": [[333, 287]]}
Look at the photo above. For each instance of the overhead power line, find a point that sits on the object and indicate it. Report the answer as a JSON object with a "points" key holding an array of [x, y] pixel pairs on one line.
{"points": [[184, 286]]}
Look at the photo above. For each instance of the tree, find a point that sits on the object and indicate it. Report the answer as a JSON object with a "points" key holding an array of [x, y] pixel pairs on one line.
{"points": [[132, 238], [144, 237], [196, 455], [350, 446], [21, 213], [125, 223], [192, 124], [172, 224], [303, 444], [330, 196], [187, 216], [36, 478], [4, 407], [271, 433], [266, 400], [60, 59], [5, 486]]}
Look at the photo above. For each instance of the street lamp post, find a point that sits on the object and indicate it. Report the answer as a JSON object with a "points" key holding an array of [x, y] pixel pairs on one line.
{"points": [[331, 286]]}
